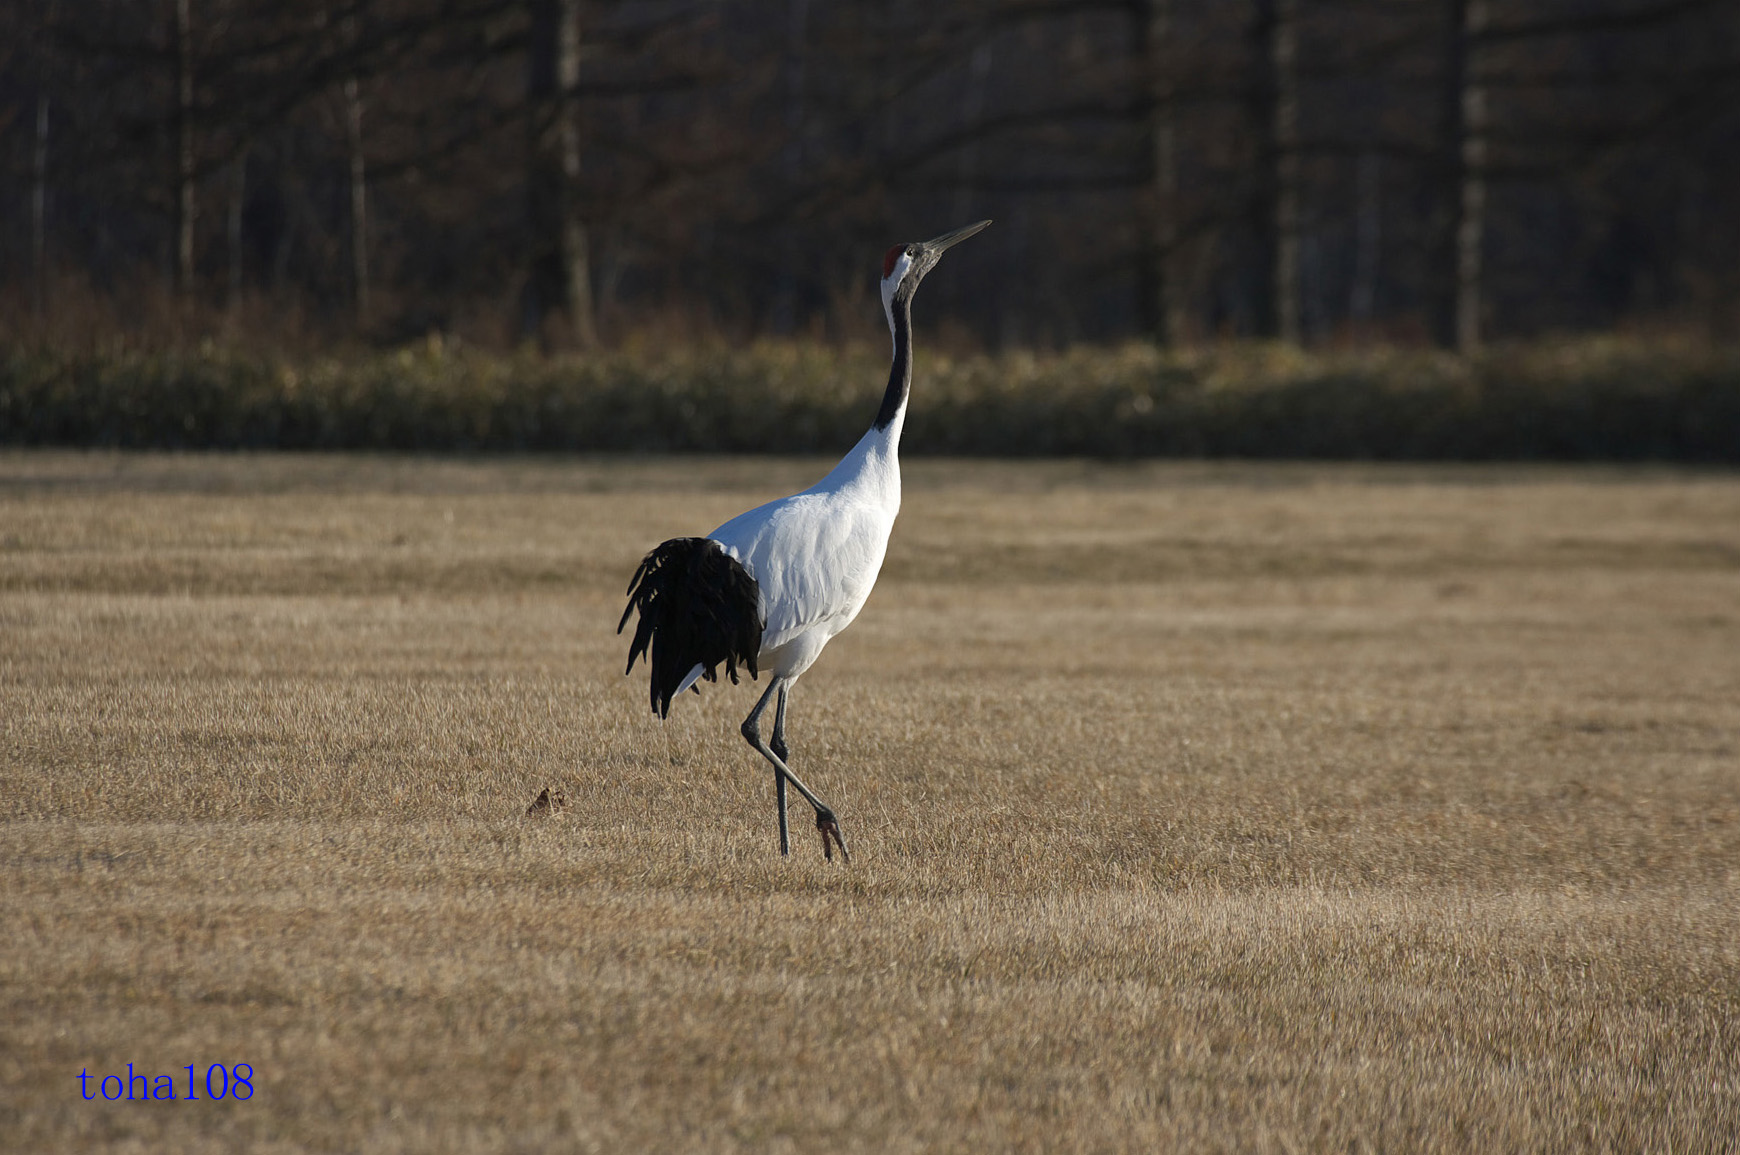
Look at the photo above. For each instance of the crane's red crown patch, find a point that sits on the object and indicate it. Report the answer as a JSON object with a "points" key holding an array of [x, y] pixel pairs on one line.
{"points": [[889, 258]]}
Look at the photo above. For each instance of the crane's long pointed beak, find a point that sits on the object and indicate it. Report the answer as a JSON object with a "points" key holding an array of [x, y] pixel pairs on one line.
{"points": [[938, 244]]}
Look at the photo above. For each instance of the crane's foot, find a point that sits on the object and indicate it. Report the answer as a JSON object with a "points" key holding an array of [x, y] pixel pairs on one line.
{"points": [[830, 828]]}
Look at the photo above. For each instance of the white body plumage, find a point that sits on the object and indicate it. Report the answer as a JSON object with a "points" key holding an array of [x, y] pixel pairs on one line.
{"points": [[815, 555]]}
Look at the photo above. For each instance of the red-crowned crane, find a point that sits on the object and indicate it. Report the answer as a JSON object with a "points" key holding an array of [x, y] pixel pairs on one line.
{"points": [[767, 589]]}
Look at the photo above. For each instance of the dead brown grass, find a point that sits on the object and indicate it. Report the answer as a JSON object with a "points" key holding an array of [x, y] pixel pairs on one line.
{"points": [[1200, 808]]}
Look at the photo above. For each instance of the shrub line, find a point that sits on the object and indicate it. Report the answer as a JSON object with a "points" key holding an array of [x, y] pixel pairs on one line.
{"points": [[1592, 400]]}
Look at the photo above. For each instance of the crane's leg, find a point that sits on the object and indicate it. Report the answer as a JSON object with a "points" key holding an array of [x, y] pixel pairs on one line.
{"points": [[825, 820], [778, 746]]}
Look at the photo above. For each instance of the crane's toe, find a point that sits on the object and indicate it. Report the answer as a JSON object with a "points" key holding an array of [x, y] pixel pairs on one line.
{"points": [[831, 836]]}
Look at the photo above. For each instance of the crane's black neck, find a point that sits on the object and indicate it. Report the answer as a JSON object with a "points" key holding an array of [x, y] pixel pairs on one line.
{"points": [[899, 373]]}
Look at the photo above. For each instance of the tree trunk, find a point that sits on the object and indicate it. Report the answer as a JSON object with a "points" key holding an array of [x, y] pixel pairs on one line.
{"points": [[1162, 315], [1457, 272], [39, 208], [1274, 205], [233, 226], [1367, 241], [559, 274], [785, 307], [359, 216], [1471, 199], [185, 205], [1284, 45]]}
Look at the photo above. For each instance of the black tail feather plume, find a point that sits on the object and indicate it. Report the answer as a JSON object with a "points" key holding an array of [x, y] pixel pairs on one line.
{"points": [[698, 606]]}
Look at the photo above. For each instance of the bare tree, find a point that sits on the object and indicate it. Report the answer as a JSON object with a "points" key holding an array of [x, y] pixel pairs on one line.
{"points": [[1463, 140], [796, 60], [39, 208], [359, 205], [1161, 309], [1471, 199], [1284, 45], [701, 148], [1275, 212], [559, 275], [233, 225], [186, 206], [1368, 239]]}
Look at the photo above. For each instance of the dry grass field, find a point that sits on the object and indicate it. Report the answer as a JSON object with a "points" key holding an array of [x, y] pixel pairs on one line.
{"points": [[1207, 808]]}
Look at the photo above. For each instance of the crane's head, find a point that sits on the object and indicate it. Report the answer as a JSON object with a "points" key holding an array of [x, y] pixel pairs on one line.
{"points": [[904, 266]]}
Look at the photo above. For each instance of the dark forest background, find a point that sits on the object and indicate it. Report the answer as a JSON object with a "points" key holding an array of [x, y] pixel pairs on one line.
{"points": [[581, 171]]}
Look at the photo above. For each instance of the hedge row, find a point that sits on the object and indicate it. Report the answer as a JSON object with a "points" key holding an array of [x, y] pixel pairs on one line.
{"points": [[1593, 400]]}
